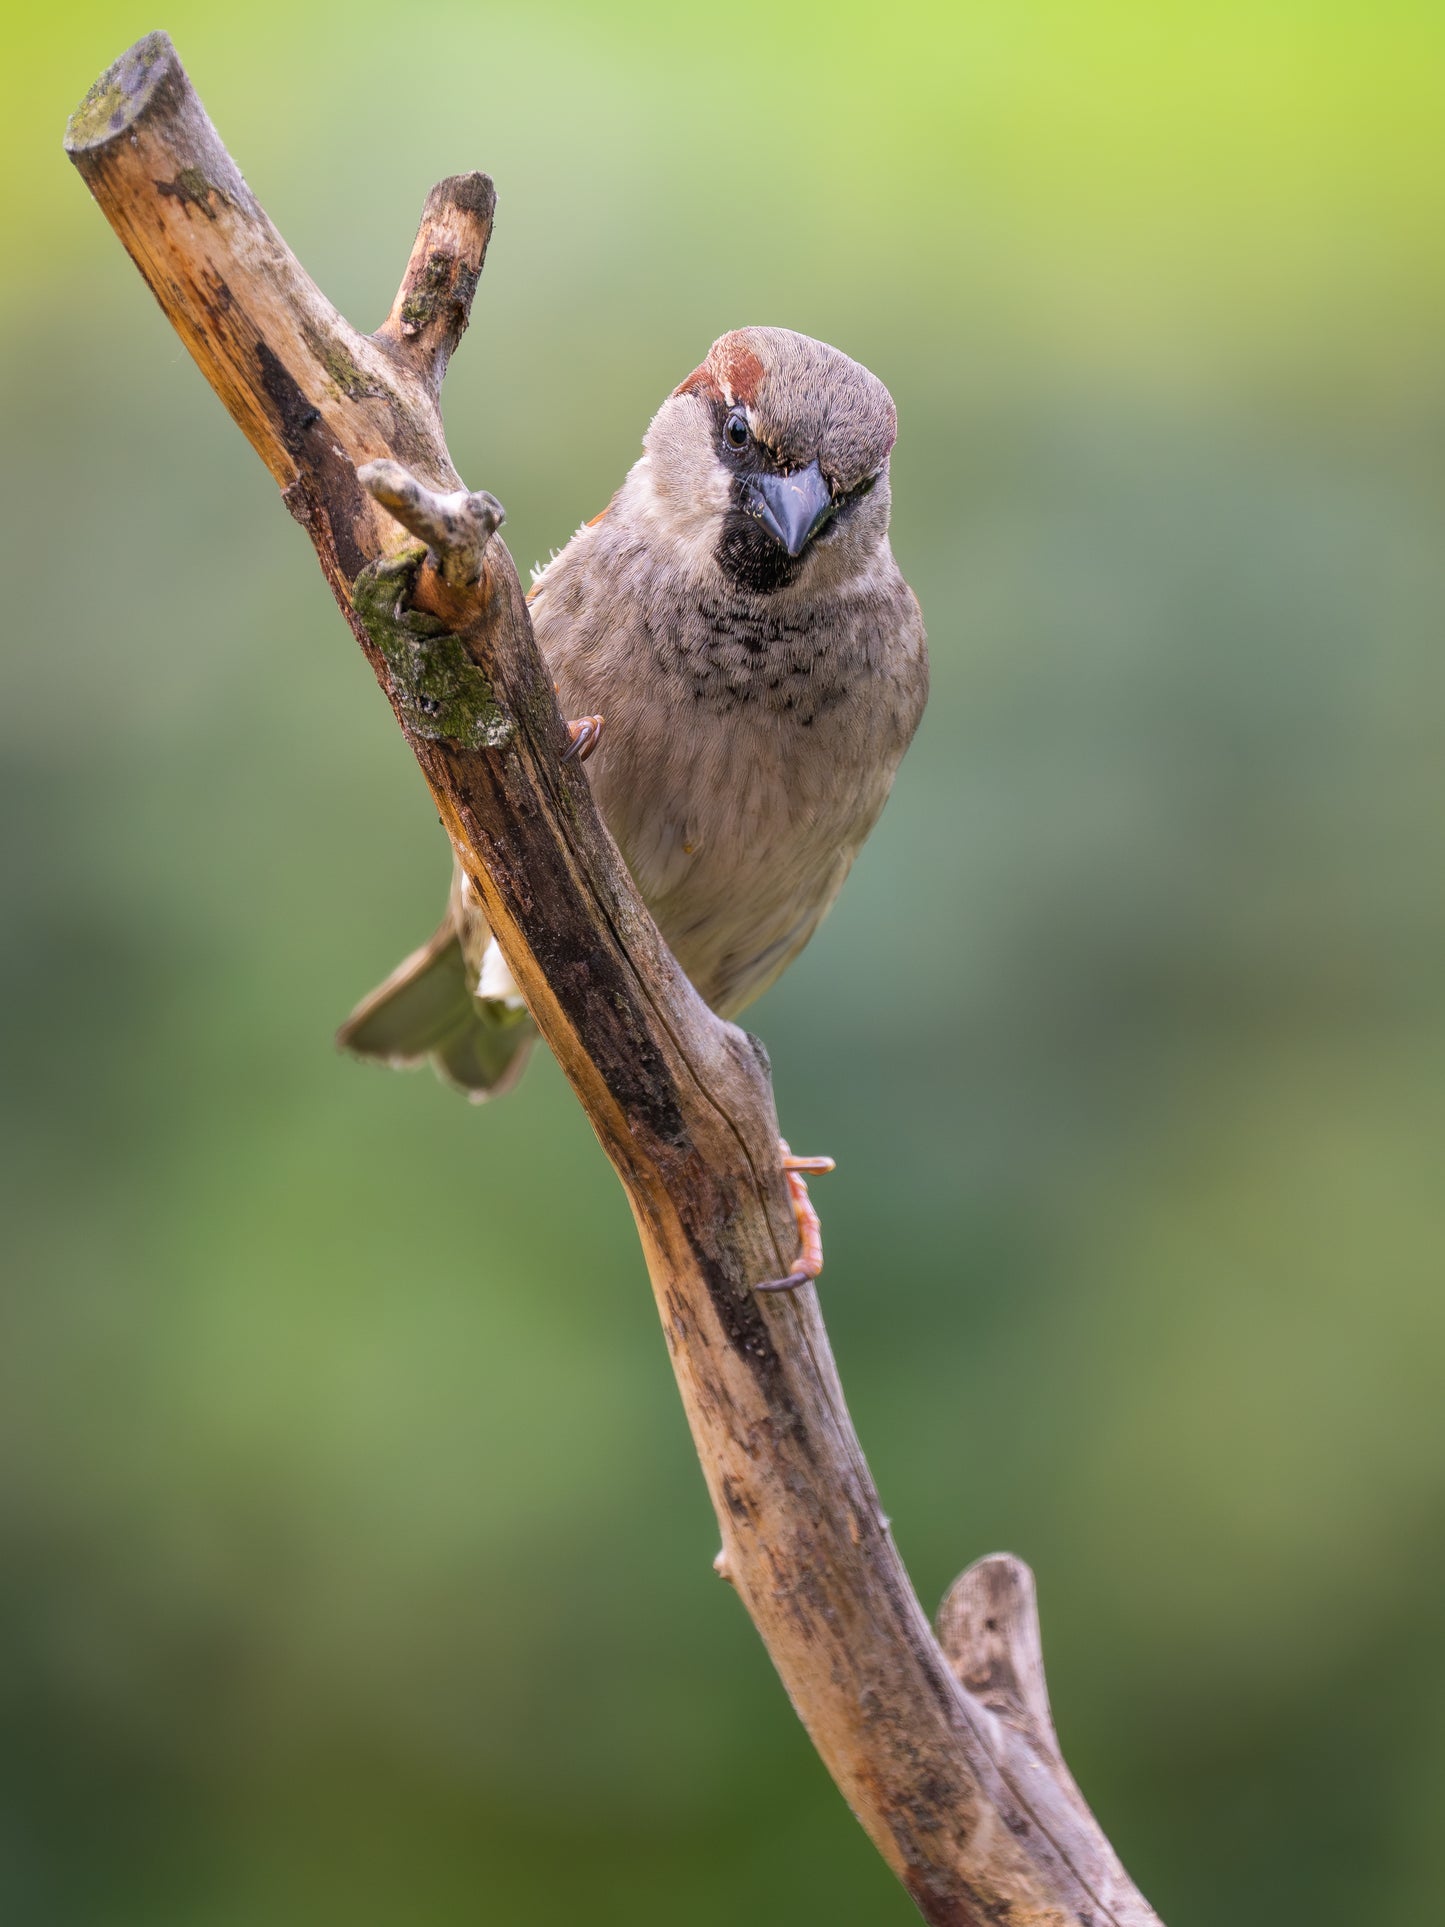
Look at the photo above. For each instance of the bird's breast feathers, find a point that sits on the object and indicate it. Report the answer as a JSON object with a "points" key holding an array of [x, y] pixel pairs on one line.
{"points": [[749, 746]]}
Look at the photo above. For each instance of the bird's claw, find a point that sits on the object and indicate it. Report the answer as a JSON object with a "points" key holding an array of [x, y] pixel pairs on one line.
{"points": [[810, 1228], [585, 736], [792, 1282]]}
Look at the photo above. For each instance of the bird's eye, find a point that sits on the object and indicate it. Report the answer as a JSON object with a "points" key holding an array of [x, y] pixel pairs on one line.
{"points": [[735, 429]]}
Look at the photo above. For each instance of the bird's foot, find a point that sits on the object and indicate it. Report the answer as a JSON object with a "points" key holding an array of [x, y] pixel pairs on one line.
{"points": [[810, 1227], [585, 736]]}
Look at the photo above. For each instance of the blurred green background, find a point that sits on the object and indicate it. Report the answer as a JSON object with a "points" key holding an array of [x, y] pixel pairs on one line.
{"points": [[356, 1565]]}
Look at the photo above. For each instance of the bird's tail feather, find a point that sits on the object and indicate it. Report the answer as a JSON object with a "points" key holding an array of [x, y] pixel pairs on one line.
{"points": [[426, 1010]]}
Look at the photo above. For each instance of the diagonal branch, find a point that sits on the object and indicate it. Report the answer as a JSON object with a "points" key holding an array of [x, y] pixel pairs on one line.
{"points": [[947, 1761]]}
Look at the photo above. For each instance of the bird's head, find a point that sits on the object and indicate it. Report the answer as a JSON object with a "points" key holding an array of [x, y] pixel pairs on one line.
{"points": [[770, 463]]}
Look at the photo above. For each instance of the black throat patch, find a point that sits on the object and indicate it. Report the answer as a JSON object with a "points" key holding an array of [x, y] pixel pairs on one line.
{"points": [[749, 557]]}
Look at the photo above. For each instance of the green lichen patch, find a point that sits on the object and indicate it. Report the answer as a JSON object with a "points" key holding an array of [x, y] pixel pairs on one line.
{"points": [[191, 188], [101, 112], [114, 101], [416, 311], [439, 690], [345, 376], [431, 286]]}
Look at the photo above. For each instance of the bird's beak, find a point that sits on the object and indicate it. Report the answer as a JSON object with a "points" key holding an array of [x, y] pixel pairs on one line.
{"points": [[792, 508]]}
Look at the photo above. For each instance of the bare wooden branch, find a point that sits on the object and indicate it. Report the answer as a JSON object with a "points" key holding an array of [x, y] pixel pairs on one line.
{"points": [[988, 1625], [946, 1760], [434, 301]]}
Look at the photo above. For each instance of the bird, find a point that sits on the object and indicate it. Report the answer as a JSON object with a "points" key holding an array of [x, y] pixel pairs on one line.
{"points": [[746, 666]]}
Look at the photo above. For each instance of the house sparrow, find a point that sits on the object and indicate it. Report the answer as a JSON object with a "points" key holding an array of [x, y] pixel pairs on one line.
{"points": [[737, 618]]}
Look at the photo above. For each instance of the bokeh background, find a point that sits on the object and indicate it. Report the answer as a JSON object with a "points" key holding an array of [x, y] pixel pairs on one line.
{"points": [[354, 1563]]}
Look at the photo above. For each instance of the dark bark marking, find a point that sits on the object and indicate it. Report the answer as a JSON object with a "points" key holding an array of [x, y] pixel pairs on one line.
{"points": [[326, 492], [191, 188], [295, 415]]}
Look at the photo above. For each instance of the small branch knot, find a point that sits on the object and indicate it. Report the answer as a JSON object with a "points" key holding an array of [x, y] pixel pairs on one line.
{"points": [[455, 527]]}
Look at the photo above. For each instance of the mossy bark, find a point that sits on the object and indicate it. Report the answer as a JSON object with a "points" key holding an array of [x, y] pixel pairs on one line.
{"points": [[438, 691]]}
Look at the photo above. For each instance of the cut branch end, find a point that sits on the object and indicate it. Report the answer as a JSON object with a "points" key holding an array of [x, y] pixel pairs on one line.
{"points": [[123, 93]]}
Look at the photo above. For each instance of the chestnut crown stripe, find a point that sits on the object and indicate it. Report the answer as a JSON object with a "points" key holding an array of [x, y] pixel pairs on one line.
{"points": [[732, 373]]}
